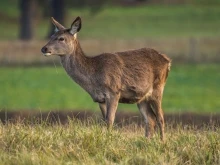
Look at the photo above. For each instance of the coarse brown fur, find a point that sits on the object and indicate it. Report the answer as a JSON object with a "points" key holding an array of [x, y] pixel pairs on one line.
{"points": [[134, 76]]}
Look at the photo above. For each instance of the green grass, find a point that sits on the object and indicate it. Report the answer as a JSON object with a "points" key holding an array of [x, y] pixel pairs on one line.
{"points": [[189, 88], [113, 22], [150, 22], [193, 87], [90, 142]]}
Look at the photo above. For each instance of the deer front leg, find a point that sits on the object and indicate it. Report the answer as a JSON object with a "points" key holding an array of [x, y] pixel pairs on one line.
{"points": [[102, 107], [112, 105]]}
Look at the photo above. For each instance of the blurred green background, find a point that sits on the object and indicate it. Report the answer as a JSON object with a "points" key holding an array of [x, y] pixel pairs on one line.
{"points": [[188, 31]]}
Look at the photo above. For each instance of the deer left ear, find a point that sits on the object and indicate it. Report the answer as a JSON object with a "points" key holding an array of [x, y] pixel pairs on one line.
{"points": [[57, 25], [76, 26]]}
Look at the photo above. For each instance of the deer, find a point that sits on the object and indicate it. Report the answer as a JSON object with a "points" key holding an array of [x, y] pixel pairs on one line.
{"points": [[132, 76]]}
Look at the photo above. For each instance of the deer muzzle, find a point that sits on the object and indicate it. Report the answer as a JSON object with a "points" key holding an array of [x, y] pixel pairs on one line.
{"points": [[46, 51]]}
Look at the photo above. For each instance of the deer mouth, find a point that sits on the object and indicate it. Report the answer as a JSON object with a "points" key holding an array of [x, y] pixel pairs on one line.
{"points": [[47, 54]]}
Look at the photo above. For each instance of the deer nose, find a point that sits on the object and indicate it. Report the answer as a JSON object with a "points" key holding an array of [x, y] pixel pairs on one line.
{"points": [[44, 49]]}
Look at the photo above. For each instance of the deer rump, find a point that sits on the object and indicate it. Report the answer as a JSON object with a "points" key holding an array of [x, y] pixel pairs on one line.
{"points": [[131, 74]]}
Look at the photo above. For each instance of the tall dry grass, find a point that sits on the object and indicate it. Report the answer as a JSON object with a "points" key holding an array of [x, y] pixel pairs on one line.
{"points": [[89, 142]]}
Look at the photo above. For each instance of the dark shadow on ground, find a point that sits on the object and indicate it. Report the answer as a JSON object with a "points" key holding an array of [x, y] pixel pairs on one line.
{"points": [[122, 118]]}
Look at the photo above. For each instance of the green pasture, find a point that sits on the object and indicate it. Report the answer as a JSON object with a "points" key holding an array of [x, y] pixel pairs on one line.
{"points": [[190, 87], [150, 22], [89, 142], [112, 22]]}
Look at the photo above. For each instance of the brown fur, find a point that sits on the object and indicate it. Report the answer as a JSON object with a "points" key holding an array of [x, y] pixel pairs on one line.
{"points": [[135, 76]]}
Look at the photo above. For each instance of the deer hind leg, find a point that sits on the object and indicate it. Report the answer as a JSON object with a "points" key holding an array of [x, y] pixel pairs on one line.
{"points": [[102, 107], [111, 105], [155, 104], [149, 117]]}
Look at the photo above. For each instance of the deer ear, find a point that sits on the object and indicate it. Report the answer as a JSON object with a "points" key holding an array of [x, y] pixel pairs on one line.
{"points": [[76, 26], [57, 25]]}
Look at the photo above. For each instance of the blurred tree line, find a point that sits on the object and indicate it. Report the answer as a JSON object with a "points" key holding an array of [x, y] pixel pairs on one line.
{"points": [[57, 9], [29, 9], [51, 8]]}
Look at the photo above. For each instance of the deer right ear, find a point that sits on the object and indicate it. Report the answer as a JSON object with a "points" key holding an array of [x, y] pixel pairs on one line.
{"points": [[57, 25], [76, 26]]}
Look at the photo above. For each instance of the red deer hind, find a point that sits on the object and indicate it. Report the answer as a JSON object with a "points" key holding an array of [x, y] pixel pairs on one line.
{"points": [[134, 76]]}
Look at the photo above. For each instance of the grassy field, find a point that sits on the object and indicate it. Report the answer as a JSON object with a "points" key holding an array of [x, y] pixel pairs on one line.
{"points": [[189, 87], [89, 142], [150, 22], [112, 22]]}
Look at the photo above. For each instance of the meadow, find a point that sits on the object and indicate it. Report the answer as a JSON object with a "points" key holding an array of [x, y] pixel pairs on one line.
{"points": [[189, 88], [89, 142], [188, 33]]}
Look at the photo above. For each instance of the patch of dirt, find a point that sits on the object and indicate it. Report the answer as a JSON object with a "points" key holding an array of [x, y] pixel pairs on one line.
{"points": [[122, 118]]}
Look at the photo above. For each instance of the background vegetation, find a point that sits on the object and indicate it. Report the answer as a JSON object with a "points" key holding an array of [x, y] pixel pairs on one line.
{"points": [[49, 88], [186, 30], [124, 22]]}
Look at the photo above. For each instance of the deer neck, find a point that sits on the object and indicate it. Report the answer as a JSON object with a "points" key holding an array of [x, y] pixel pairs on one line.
{"points": [[77, 66]]}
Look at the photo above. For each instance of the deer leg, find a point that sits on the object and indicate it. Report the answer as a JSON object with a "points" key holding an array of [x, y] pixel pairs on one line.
{"points": [[149, 118], [155, 104], [112, 105], [102, 106]]}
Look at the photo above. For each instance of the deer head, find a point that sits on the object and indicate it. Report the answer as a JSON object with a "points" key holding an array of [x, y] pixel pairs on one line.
{"points": [[62, 41]]}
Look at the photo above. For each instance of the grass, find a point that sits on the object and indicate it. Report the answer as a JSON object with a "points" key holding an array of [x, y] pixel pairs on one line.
{"points": [[89, 142], [113, 22], [193, 87], [150, 22], [190, 87]]}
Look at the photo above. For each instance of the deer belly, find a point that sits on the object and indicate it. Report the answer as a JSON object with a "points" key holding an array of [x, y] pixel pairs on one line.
{"points": [[134, 96], [129, 100], [131, 97]]}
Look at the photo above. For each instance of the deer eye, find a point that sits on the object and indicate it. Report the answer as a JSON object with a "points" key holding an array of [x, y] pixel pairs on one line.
{"points": [[61, 39]]}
